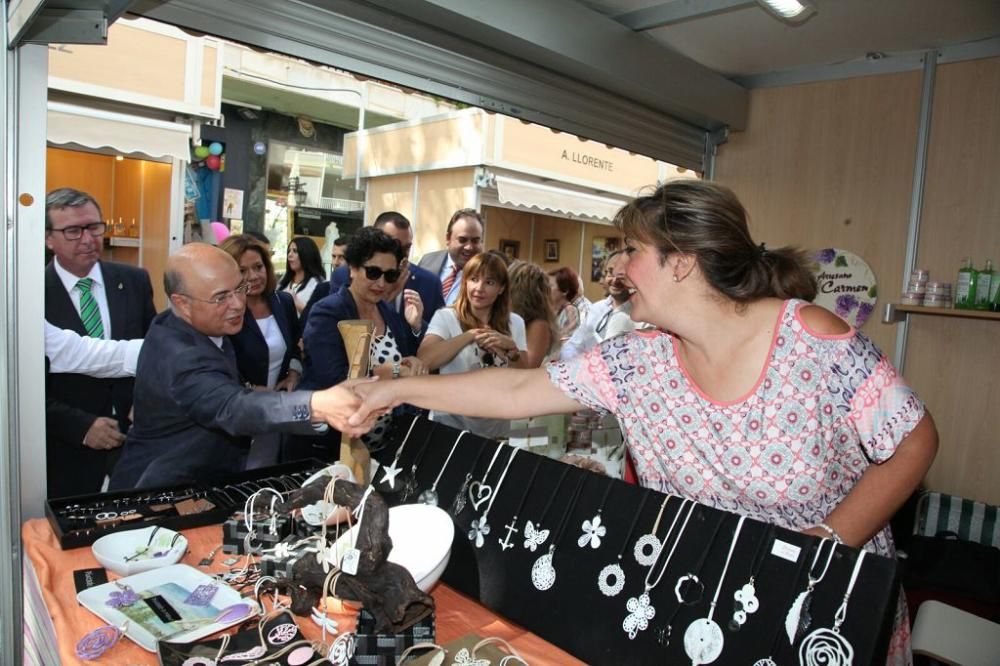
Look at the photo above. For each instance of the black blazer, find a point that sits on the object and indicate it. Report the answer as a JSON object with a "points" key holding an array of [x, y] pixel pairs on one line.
{"points": [[252, 356], [193, 417], [73, 402]]}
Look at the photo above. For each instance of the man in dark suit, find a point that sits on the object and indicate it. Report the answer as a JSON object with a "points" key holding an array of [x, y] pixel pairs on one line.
{"points": [[193, 417], [424, 283], [464, 238], [85, 416]]}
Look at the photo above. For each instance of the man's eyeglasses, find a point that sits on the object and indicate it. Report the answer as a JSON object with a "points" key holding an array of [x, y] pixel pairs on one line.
{"points": [[75, 233], [240, 292], [374, 272]]}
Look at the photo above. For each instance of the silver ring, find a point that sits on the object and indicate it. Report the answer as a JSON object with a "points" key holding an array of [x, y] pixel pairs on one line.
{"points": [[106, 515]]}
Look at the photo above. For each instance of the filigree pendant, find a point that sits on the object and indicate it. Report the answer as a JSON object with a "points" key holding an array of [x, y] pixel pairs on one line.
{"points": [[428, 497], [798, 618], [543, 574], [645, 549], [611, 580], [458, 504], [703, 641], [640, 612], [825, 647]]}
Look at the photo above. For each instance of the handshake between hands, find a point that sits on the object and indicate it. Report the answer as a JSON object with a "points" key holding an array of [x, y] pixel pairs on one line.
{"points": [[353, 406]]}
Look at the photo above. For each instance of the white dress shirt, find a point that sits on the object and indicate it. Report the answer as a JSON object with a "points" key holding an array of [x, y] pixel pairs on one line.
{"points": [[68, 351], [97, 289]]}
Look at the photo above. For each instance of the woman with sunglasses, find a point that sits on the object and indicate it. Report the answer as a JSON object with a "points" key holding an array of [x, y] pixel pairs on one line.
{"points": [[373, 257], [304, 270], [479, 331]]}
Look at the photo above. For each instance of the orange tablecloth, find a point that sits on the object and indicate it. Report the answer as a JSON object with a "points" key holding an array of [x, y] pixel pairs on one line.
{"points": [[457, 614]]}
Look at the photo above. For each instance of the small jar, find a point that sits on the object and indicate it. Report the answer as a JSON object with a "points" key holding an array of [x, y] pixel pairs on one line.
{"points": [[936, 301], [920, 275], [938, 289], [909, 299]]}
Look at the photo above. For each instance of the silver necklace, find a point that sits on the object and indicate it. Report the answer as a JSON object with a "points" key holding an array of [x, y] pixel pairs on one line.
{"points": [[511, 527], [798, 618], [611, 580], [534, 534], [593, 530], [640, 609], [703, 639], [481, 526], [390, 472], [543, 571], [430, 496], [647, 547], [479, 492], [826, 646]]}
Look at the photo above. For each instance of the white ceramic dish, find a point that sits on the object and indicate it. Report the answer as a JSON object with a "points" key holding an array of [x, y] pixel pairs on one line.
{"points": [[421, 541], [315, 512], [134, 551], [173, 584]]}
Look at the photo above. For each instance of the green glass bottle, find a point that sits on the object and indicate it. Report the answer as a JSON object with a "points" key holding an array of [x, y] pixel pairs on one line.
{"points": [[984, 286], [965, 289], [995, 293]]}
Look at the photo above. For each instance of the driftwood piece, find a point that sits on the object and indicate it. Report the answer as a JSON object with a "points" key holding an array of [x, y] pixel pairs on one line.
{"points": [[387, 590]]}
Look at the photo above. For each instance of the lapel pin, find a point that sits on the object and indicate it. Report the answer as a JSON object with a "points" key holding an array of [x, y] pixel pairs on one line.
{"points": [[120, 286]]}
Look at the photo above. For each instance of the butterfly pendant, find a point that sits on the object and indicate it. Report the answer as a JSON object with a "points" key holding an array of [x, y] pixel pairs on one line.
{"points": [[464, 658], [534, 537]]}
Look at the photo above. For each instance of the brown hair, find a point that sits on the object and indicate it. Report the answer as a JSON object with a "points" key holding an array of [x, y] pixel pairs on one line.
{"points": [[485, 264], [706, 220], [238, 245], [464, 212], [531, 297], [567, 281]]}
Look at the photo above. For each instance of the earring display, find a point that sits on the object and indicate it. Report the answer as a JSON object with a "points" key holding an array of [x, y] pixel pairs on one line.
{"points": [[611, 580]]}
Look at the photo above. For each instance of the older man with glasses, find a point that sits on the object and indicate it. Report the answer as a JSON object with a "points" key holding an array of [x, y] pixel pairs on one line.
{"points": [[193, 416], [86, 417]]}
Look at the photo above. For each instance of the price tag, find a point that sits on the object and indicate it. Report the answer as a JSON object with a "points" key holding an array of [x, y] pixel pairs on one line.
{"points": [[785, 550], [350, 561]]}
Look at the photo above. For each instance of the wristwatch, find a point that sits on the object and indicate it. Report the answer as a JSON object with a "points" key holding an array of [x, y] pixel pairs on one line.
{"points": [[395, 370]]}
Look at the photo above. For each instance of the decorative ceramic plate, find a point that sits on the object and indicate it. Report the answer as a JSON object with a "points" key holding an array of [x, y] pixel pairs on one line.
{"points": [[167, 604]]}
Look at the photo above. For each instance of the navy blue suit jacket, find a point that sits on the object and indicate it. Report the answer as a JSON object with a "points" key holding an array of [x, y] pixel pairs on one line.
{"points": [[252, 356], [193, 417], [421, 281], [73, 402], [326, 361]]}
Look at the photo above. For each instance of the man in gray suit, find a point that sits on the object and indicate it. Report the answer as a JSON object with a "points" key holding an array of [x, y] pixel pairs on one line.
{"points": [[193, 417], [464, 238]]}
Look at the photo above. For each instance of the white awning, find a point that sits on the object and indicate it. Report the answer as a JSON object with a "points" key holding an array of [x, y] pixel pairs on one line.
{"points": [[95, 128], [518, 192]]}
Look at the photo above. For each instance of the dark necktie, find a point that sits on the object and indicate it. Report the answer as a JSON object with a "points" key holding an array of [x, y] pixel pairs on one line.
{"points": [[227, 349], [449, 281], [90, 313]]}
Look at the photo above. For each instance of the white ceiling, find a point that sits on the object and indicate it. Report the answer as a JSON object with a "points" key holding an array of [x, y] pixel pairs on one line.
{"points": [[748, 41]]}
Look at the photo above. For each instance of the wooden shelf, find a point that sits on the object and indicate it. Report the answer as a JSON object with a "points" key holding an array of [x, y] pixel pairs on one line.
{"points": [[896, 312], [124, 241]]}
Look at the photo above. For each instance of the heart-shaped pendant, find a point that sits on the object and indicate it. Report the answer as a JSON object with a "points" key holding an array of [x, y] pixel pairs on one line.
{"points": [[479, 494]]}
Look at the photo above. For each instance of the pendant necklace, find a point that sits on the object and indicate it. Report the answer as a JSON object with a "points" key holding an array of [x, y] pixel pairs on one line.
{"points": [[459, 501], [479, 492], [745, 601], [430, 496], [511, 528], [640, 609], [779, 629], [647, 547], [480, 527], [593, 530], [611, 580], [826, 646], [689, 589], [410, 480], [543, 572], [703, 640], [389, 473], [534, 534], [798, 618]]}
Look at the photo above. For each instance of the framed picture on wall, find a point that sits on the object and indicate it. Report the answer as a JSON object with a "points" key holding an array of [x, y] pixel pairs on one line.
{"points": [[601, 249], [552, 249], [511, 248]]}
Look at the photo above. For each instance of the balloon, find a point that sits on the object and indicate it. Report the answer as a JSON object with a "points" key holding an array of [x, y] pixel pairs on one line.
{"points": [[201, 152], [215, 148], [259, 148], [213, 162], [221, 231]]}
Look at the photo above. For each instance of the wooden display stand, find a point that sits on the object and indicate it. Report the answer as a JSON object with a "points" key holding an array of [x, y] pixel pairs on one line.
{"points": [[357, 335]]}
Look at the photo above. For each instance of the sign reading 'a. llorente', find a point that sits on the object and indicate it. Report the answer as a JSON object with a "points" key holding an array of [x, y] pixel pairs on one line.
{"points": [[588, 160], [845, 285]]}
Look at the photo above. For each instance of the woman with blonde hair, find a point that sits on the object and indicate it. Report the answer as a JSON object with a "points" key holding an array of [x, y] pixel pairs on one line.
{"points": [[530, 297], [479, 331]]}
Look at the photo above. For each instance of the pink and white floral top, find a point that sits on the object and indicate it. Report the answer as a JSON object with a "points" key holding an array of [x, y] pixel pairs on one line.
{"points": [[823, 409]]}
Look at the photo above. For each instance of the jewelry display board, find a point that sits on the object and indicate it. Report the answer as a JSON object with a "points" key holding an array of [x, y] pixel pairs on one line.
{"points": [[614, 573], [83, 519]]}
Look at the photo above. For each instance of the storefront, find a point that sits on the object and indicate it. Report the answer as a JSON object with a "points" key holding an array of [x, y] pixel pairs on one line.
{"points": [[546, 196]]}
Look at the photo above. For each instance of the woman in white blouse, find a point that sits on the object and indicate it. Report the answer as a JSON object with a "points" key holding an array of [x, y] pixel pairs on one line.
{"points": [[304, 270]]}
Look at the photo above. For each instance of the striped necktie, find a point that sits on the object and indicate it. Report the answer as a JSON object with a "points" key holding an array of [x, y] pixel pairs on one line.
{"points": [[90, 314], [449, 281]]}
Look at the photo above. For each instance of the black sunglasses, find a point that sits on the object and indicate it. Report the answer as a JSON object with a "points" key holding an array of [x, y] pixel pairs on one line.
{"points": [[374, 272]]}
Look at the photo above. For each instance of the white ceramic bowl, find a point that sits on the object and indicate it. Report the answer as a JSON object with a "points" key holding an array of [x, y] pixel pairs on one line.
{"points": [[111, 550], [421, 541], [314, 513]]}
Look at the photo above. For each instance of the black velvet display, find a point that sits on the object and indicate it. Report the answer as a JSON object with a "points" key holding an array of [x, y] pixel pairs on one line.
{"points": [[576, 616]]}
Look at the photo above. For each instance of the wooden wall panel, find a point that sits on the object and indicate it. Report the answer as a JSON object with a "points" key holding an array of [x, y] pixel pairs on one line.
{"points": [[156, 178], [955, 363], [88, 172], [831, 165], [566, 233], [509, 225]]}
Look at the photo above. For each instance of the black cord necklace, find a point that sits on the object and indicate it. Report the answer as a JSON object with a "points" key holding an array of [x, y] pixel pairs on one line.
{"points": [[511, 528], [611, 580], [543, 573], [745, 601], [593, 529], [459, 502], [410, 482], [534, 535]]}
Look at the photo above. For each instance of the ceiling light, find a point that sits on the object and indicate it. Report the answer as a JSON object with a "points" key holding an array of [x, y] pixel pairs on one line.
{"points": [[790, 11]]}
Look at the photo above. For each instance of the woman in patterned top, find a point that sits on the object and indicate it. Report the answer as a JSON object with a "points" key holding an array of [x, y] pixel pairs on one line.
{"points": [[745, 397]]}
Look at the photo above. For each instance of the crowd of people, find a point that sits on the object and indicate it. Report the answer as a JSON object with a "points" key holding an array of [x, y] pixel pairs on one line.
{"points": [[730, 387]]}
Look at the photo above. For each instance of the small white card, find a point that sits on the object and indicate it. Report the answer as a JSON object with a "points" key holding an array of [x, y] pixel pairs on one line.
{"points": [[349, 565], [785, 550]]}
